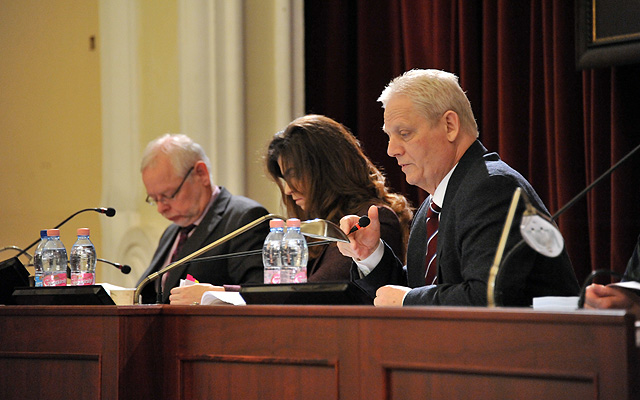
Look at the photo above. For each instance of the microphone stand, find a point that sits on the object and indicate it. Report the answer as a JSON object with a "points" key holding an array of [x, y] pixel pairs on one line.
{"points": [[125, 269], [495, 267], [493, 272], [588, 188], [16, 248], [316, 228], [110, 212], [156, 275]]}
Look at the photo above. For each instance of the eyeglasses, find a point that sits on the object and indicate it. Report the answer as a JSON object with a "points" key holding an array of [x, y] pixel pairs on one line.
{"points": [[165, 199]]}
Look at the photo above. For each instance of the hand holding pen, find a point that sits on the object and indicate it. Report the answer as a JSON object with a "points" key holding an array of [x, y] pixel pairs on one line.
{"points": [[363, 232]]}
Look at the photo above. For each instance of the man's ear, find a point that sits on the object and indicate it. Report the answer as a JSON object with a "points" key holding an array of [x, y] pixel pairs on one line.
{"points": [[452, 123], [201, 170]]}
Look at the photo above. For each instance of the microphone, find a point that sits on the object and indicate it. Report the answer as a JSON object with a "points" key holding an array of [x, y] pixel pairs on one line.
{"points": [[108, 211], [125, 269], [363, 222], [544, 236], [588, 188], [316, 228]]}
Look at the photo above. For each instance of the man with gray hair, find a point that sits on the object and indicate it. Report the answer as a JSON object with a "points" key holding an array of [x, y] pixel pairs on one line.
{"points": [[176, 175], [454, 235]]}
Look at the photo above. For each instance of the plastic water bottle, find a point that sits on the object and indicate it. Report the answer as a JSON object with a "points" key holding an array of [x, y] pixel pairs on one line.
{"points": [[295, 254], [54, 260], [37, 259], [271, 251], [83, 260]]}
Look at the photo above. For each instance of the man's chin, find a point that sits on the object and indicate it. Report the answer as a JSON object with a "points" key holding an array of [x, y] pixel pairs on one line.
{"points": [[409, 179], [177, 221]]}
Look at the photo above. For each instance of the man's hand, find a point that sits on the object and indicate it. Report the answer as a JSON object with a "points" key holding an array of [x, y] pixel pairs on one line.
{"points": [[390, 296], [363, 242], [191, 295], [605, 297]]}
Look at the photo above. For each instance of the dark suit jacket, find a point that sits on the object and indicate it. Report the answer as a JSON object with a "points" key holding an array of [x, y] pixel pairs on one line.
{"points": [[227, 213], [632, 272], [473, 215]]}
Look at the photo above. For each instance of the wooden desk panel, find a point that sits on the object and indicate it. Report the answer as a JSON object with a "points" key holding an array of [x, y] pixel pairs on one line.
{"points": [[78, 352], [412, 353], [480, 354], [312, 352], [265, 354]]}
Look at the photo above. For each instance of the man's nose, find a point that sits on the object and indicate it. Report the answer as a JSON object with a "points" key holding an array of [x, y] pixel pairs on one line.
{"points": [[393, 148], [162, 207]]}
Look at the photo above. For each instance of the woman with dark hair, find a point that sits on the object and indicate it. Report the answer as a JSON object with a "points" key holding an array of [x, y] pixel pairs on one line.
{"points": [[322, 172]]}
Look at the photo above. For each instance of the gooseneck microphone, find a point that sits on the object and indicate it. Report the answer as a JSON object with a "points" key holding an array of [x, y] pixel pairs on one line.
{"points": [[108, 211], [125, 269], [568, 205], [588, 188]]}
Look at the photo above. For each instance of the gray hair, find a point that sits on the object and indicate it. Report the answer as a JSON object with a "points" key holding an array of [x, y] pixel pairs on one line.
{"points": [[433, 92], [181, 150]]}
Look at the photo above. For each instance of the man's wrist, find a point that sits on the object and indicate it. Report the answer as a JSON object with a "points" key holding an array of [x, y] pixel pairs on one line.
{"points": [[368, 264]]}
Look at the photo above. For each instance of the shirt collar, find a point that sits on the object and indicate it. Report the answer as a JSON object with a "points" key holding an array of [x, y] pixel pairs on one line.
{"points": [[438, 195]]}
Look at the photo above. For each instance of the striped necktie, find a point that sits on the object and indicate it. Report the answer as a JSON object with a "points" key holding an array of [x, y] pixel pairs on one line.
{"points": [[431, 268], [183, 235]]}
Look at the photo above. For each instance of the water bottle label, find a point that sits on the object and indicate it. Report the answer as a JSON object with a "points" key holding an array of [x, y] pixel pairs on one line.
{"points": [[301, 276], [38, 281], [83, 279], [59, 279], [271, 276]]}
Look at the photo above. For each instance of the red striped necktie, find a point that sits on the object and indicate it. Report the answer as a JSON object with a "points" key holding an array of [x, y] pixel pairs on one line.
{"points": [[431, 261], [183, 235]]}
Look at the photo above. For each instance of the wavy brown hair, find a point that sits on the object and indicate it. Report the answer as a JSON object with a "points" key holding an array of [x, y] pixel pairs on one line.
{"points": [[324, 161]]}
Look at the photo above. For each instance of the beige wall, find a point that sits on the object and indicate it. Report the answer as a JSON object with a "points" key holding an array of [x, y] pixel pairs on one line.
{"points": [[50, 121], [159, 91], [261, 99], [50, 135]]}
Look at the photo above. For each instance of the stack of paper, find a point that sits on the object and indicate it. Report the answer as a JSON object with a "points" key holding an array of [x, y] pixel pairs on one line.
{"points": [[555, 303], [222, 298], [120, 295]]}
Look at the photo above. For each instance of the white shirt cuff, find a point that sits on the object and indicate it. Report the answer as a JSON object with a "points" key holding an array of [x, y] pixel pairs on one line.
{"points": [[368, 264]]}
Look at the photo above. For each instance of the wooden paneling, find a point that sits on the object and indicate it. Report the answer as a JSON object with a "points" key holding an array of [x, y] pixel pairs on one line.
{"points": [[314, 352], [78, 352], [256, 378], [508, 352], [49, 375], [438, 383]]}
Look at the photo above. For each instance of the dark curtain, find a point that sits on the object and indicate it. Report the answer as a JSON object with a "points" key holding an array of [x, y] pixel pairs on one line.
{"points": [[560, 127]]}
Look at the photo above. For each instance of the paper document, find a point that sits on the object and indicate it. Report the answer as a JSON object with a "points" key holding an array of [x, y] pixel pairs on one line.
{"points": [[222, 298], [122, 296], [186, 282], [556, 303], [633, 285]]}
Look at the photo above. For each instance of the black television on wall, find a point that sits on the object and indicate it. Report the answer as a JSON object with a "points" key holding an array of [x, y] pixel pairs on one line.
{"points": [[607, 33]]}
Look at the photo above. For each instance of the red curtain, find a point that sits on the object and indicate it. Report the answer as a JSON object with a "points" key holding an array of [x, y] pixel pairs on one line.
{"points": [[560, 127]]}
